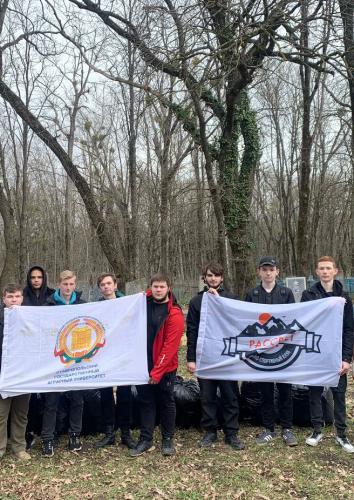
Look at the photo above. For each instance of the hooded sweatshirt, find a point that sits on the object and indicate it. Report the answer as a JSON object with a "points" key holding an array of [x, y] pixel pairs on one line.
{"points": [[30, 297]]}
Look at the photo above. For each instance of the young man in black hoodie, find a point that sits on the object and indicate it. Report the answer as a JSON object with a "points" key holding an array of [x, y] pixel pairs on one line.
{"points": [[108, 285], [64, 295], [271, 292], [326, 271], [213, 275], [36, 292]]}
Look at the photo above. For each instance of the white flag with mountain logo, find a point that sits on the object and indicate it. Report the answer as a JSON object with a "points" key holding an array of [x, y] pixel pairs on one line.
{"points": [[291, 343]]}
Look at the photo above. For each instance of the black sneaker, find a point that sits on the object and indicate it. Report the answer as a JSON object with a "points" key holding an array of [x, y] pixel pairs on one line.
{"points": [[208, 439], [127, 440], [235, 442], [74, 442], [107, 440], [47, 448], [30, 440], [141, 447], [289, 437], [167, 447]]}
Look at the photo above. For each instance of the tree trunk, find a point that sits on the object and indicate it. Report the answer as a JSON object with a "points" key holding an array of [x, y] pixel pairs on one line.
{"points": [[237, 184], [103, 232], [9, 273], [347, 14]]}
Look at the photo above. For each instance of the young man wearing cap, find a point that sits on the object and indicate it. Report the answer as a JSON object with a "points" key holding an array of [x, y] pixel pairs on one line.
{"points": [[271, 292], [108, 285], [328, 286], [213, 275]]}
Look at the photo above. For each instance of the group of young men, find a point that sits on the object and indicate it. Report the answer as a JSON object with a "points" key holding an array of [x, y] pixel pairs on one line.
{"points": [[165, 327], [269, 291]]}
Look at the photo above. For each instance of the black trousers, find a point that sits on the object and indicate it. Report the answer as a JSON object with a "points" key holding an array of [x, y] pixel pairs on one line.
{"points": [[51, 400], [229, 402], [316, 410], [285, 405], [152, 397], [122, 412]]}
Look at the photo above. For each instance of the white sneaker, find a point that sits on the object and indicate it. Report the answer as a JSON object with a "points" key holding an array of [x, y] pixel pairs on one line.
{"points": [[314, 439], [345, 444]]}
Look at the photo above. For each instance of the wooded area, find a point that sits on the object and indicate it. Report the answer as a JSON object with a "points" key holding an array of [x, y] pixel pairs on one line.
{"points": [[155, 134]]}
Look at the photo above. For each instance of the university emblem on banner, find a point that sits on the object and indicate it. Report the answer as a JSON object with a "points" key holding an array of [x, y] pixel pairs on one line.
{"points": [[79, 340], [270, 344]]}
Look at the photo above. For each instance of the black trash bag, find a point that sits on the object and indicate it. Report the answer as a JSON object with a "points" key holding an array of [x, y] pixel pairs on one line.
{"points": [[92, 419], [301, 405], [35, 414], [250, 403], [187, 399]]}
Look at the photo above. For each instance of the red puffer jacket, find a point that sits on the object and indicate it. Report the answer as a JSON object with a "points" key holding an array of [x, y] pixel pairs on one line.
{"points": [[167, 340]]}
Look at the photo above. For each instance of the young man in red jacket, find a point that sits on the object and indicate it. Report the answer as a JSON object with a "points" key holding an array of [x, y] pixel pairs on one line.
{"points": [[165, 327]]}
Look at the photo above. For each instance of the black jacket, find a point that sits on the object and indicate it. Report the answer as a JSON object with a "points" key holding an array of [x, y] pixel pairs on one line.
{"points": [[30, 297], [78, 300], [193, 318], [318, 292], [279, 295]]}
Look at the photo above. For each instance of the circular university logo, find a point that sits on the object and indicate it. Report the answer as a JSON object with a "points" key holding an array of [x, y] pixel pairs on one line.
{"points": [[79, 339]]}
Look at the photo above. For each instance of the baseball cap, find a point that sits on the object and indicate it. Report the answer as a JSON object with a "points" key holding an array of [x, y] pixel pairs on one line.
{"points": [[268, 261]]}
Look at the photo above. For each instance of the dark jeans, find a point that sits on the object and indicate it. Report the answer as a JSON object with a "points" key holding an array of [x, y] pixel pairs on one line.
{"points": [[51, 400], [316, 410], [229, 401], [108, 407], [154, 396], [285, 405], [123, 408]]}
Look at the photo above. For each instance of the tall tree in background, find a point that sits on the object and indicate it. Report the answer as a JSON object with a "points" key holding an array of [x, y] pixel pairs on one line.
{"points": [[347, 15], [214, 63]]}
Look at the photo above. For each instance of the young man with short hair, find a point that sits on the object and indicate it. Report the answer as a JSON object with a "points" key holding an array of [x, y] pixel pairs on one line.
{"points": [[213, 275], [165, 327], [65, 294], [17, 405], [108, 285], [328, 286], [271, 292]]}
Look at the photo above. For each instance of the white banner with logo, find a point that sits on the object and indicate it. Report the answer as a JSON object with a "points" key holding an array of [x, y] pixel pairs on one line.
{"points": [[62, 348], [291, 343]]}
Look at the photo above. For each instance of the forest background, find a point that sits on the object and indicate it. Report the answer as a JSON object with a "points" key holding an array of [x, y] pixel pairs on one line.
{"points": [[158, 134]]}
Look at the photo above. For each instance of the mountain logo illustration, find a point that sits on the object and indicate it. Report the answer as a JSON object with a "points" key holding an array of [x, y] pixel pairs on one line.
{"points": [[269, 344]]}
